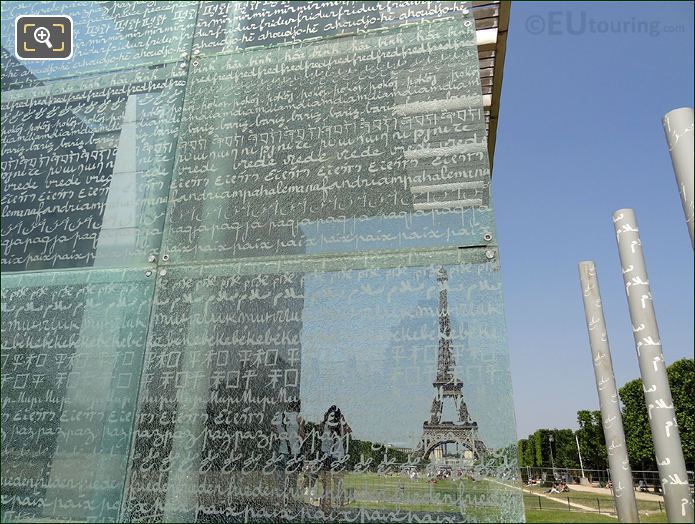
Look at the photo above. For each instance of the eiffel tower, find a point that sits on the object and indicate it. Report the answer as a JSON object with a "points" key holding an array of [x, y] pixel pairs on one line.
{"points": [[436, 432]]}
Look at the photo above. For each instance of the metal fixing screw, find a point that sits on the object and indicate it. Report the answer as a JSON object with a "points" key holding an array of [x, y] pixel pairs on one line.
{"points": [[196, 52], [195, 63], [162, 272], [487, 237], [165, 257], [490, 254], [148, 273], [184, 55], [151, 258], [182, 65]]}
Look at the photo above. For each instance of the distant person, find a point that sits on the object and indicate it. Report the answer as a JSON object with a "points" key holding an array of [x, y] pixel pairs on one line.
{"points": [[334, 432], [288, 425]]}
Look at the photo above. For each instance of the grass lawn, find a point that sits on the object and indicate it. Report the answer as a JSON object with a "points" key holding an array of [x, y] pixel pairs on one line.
{"points": [[478, 500], [595, 500], [475, 500], [542, 515], [653, 517]]}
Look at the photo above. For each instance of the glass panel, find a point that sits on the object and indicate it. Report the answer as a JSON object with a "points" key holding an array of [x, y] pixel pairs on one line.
{"points": [[245, 361], [72, 353], [375, 141], [235, 26], [107, 36], [87, 166]]}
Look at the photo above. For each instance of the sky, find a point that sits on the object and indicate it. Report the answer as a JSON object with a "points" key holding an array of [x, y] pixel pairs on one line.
{"points": [[579, 137]]}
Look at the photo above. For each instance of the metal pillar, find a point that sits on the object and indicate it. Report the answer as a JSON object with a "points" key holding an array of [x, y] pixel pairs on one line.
{"points": [[678, 126], [657, 393], [551, 439], [579, 452], [620, 471]]}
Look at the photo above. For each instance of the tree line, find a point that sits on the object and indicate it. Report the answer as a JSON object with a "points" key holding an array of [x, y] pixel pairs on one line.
{"points": [[536, 450]]}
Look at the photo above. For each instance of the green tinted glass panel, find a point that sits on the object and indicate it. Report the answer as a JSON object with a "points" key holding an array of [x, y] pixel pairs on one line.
{"points": [[72, 353], [246, 360], [250, 268], [236, 26], [107, 36], [368, 142], [86, 169]]}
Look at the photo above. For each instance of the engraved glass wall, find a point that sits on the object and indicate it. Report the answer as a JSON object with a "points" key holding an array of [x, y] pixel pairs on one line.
{"points": [[72, 353], [372, 141], [107, 36], [86, 168], [249, 268], [246, 360]]}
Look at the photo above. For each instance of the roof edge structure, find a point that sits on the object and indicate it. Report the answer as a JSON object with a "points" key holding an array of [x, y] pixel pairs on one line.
{"points": [[491, 24]]}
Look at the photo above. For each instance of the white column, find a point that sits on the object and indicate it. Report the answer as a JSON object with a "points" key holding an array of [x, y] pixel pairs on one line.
{"points": [[678, 126], [657, 393], [618, 462]]}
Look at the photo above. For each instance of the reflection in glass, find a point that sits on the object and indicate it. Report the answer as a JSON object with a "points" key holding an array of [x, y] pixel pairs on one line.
{"points": [[86, 169], [314, 332], [294, 395], [107, 36], [373, 141], [72, 350]]}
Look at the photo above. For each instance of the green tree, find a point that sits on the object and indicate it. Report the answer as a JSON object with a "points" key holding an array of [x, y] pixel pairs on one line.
{"points": [[681, 376], [538, 461], [530, 452], [636, 424], [565, 448], [591, 439], [521, 452], [534, 451]]}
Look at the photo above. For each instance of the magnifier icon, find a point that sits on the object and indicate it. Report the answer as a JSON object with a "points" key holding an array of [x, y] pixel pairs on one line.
{"points": [[42, 35]]}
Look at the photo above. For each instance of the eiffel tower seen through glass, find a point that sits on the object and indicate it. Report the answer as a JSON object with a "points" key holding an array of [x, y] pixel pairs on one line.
{"points": [[438, 434]]}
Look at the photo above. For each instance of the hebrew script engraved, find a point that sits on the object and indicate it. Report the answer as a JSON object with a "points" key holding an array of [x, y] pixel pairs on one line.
{"points": [[72, 347], [86, 169]]}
